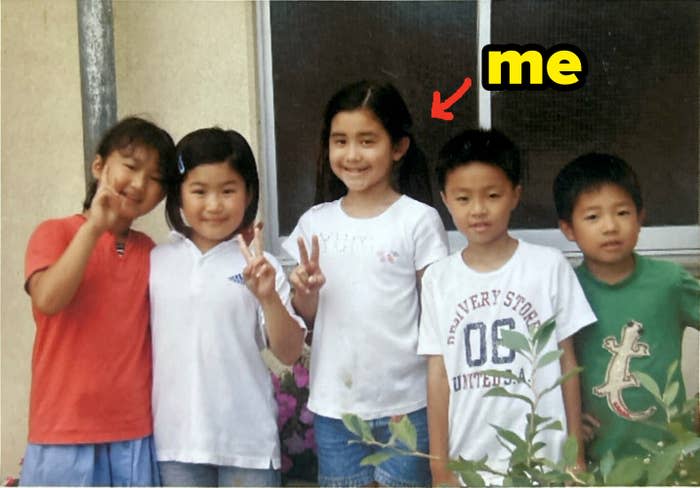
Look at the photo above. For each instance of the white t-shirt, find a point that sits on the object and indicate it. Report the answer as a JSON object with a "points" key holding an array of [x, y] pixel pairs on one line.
{"points": [[464, 312], [213, 398], [363, 358]]}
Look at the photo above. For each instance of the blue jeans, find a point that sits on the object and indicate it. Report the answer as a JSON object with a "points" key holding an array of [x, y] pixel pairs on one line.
{"points": [[339, 460], [173, 473], [124, 463]]}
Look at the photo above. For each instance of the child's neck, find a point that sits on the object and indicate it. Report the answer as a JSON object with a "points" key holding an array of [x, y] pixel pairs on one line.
{"points": [[491, 256], [367, 205], [611, 273]]}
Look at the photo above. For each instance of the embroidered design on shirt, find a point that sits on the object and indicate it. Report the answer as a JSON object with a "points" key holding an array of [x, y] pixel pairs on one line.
{"points": [[237, 278], [387, 257], [618, 375]]}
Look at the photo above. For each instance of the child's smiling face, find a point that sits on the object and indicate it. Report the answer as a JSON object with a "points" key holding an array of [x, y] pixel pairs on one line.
{"points": [[214, 200], [605, 223]]}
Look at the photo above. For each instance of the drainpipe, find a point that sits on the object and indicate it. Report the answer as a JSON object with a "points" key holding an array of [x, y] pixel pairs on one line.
{"points": [[97, 76]]}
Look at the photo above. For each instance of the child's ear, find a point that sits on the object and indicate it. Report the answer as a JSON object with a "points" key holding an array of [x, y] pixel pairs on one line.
{"points": [[444, 199], [97, 166], [567, 229], [518, 190], [400, 148]]}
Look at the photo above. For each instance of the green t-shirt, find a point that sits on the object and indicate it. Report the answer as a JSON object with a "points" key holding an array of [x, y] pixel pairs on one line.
{"points": [[640, 328]]}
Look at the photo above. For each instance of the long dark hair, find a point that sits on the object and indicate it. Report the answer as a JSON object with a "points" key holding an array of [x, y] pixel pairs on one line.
{"points": [[411, 176], [125, 136], [206, 146]]}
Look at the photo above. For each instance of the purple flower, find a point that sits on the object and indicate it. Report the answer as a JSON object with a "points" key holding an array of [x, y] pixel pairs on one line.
{"points": [[286, 463], [295, 444], [310, 440], [301, 375], [306, 416], [287, 408]]}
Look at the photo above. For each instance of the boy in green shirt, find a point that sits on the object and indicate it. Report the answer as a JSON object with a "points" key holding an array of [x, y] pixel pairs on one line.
{"points": [[642, 304]]}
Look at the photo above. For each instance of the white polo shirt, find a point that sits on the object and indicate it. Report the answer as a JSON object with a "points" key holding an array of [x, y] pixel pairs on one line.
{"points": [[213, 398]]}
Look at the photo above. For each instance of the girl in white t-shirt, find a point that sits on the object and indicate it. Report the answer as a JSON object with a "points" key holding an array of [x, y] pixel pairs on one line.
{"points": [[359, 287], [214, 304]]}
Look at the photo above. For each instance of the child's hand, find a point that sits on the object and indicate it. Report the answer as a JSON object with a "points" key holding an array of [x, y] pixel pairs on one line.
{"points": [[589, 426], [104, 209], [259, 274], [308, 277]]}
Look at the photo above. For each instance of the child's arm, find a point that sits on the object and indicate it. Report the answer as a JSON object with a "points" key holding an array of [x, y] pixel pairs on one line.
{"points": [[571, 391], [285, 335], [438, 409], [307, 279], [53, 289]]}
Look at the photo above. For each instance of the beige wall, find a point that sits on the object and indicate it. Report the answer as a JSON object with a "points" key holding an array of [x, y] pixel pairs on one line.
{"points": [[184, 65]]}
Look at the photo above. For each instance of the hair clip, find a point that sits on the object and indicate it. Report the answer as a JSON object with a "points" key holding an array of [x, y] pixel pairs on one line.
{"points": [[180, 165]]}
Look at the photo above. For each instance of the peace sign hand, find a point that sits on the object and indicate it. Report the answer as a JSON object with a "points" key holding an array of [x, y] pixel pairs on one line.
{"points": [[308, 277], [104, 209], [259, 274]]}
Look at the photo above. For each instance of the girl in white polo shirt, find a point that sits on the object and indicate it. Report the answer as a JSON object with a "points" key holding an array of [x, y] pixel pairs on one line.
{"points": [[214, 304]]}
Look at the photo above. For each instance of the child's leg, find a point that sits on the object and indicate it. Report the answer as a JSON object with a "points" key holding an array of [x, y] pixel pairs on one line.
{"points": [[233, 476], [173, 473]]}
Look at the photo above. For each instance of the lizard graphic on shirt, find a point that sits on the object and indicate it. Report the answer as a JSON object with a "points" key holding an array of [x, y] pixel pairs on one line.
{"points": [[618, 375]]}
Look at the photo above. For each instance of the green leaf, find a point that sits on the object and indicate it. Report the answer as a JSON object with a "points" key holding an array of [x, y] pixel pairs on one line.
{"points": [[537, 446], [606, 465], [542, 334], [570, 451], [670, 393], [649, 384], [538, 420], [358, 427], [499, 391], [405, 431], [472, 478], [378, 457], [516, 341], [671, 371], [562, 379], [510, 436], [662, 464], [648, 445], [626, 472], [556, 425], [550, 357]]}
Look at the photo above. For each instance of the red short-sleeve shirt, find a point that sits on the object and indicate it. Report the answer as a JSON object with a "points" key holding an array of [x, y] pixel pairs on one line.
{"points": [[91, 364]]}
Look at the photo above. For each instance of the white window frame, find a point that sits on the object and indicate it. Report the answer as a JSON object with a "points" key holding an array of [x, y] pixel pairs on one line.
{"points": [[680, 243]]}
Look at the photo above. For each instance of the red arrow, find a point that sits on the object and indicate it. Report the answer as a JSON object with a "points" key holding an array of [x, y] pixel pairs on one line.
{"points": [[439, 109]]}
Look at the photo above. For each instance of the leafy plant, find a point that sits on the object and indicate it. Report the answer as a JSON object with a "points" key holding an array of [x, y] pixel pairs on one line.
{"points": [[526, 466], [671, 461]]}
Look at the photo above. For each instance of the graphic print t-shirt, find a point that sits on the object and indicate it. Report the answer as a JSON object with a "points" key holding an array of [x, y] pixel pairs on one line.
{"points": [[464, 314], [640, 328]]}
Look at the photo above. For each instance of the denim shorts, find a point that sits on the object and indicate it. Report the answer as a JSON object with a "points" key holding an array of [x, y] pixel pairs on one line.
{"points": [[173, 473], [339, 460], [124, 463]]}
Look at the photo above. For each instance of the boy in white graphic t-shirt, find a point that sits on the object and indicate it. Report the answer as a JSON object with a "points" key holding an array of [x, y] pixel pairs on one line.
{"points": [[495, 283]]}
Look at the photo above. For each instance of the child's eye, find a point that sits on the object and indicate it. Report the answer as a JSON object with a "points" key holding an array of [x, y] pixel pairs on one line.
{"points": [[130, 166], [229, 191], [494, 195], [367, 142], [590, 217], [338, 142], [198, 192], [462, 199], [624, 212]]}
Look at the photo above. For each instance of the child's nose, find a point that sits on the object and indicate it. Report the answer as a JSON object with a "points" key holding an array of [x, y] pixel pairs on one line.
{"points": [[353, 152], [213, 203], [610, 223]]}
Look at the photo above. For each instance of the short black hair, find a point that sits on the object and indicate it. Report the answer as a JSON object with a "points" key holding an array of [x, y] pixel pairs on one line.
{"points": [[125, 135], [589, 172], [207, 146], [484, 146]]}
